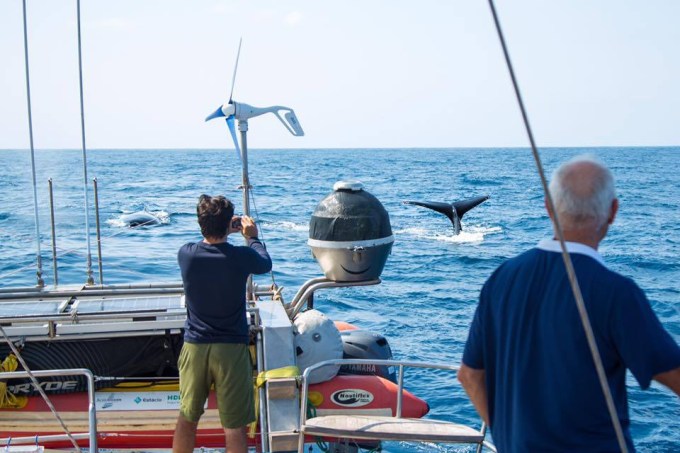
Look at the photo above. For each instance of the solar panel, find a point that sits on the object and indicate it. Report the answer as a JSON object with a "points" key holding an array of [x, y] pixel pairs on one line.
{"points": [[31, 308], [100, 305]]}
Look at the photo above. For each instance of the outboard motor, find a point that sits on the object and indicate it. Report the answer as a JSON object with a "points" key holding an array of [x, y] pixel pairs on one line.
{"points": [[350, 234], [362, 344]]}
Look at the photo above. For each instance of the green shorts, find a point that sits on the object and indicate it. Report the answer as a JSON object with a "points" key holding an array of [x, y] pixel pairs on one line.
{"points": [[229, 368]]}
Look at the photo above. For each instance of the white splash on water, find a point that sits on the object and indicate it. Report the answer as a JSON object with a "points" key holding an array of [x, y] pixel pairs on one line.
{"points": [[291, 226], [116, 223], [472, 234]]}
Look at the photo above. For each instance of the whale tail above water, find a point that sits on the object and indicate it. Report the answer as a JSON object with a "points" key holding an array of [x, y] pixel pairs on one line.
{"points": [[454, 211]]}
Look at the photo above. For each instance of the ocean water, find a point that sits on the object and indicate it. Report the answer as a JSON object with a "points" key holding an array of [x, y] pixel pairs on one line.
{"points": [[432, 279]]}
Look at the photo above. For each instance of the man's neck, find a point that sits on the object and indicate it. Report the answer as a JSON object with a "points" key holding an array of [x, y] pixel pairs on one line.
{"points": [[586, 238], [213, 241]]}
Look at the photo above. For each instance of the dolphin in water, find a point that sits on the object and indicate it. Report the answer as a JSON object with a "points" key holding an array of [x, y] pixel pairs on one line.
{"points": [[140, 218], [454, 211]]}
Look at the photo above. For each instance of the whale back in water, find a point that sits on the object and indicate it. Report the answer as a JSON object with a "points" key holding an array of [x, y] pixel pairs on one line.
{"points": [[140, 218]]}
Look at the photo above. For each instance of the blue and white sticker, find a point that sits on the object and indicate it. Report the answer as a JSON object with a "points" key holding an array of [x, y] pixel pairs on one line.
{"points": [[138, 401]]}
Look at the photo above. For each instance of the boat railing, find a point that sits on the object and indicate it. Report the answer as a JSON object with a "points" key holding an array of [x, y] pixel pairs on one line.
{"points": [[91, 291], [315, 284], [395, 428], [92, 413]]}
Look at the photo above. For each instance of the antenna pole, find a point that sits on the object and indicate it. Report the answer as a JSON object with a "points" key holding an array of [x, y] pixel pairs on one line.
{"points": [[40, 282], [90, 278], [99, 236], [54, 236]]}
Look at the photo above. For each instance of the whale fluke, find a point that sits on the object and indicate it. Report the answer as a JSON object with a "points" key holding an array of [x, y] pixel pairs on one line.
{"points": [[454, 211]]}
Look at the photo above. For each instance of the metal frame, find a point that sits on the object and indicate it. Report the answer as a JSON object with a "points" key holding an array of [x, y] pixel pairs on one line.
{"points": [[107, 324], [308, 288], [101, 291], [398, 363], [92, 411]]}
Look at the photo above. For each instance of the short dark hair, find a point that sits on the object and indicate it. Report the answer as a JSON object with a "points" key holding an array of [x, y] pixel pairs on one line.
{"points": [[214, 215]]}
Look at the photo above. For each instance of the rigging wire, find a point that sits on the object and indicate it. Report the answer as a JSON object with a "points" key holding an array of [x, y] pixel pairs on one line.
{"points": [[261, 230], [40, 282], [65, 252], [90, 278], [578, 296]]}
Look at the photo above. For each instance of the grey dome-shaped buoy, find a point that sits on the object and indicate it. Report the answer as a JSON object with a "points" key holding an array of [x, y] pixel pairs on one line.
{"points": [[350, 234]]}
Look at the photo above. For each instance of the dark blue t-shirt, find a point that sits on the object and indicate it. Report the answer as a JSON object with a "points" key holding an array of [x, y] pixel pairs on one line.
{"points": [[543, 391], [214, 277]]}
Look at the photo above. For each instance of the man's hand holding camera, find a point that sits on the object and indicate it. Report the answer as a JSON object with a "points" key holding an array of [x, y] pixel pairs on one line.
{"points": [[244, 224]]}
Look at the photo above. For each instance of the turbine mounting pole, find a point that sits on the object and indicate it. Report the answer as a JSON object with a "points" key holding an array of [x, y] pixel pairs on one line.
{"points": [[245, 180], [245, 186]]}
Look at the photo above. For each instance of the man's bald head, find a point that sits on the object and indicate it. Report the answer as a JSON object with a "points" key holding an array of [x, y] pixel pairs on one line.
{"points": [[583, 192]]}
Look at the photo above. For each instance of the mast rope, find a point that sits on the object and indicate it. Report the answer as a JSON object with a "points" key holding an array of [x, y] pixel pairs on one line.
{"points": [[40, 282], [578, 296], [36, 384]]}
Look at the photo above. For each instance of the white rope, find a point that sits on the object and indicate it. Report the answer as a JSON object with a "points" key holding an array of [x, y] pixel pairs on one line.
{"points": [[15, 271], [578, 296], [41, 282], [90, 279], [36, 384]]}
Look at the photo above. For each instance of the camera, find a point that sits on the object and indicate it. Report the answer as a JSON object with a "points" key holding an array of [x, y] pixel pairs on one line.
{"points": [[236, 223]]}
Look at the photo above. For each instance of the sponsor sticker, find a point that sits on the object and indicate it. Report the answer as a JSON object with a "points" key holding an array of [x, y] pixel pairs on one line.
{"points": [[140, 401], [47, 386], [352, 397]]}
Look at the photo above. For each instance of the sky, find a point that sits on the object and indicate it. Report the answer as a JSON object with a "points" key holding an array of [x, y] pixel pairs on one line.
{"points": [[358, 73]]}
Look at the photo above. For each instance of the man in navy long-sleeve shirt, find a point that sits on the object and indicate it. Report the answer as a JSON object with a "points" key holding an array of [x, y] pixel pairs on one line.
{"points": [[215, 349]]}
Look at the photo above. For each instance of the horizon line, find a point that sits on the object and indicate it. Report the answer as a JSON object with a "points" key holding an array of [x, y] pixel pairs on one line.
{"points": [[349, 148]]}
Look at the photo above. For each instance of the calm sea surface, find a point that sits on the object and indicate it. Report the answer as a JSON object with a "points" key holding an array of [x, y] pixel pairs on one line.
{"points": [[432, 279]]}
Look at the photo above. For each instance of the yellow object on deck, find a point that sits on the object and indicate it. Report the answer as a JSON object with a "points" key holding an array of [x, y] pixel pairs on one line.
{"points": [[260, 380], [9, 400]]}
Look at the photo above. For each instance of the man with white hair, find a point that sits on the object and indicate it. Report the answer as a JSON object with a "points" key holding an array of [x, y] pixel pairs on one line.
{"points": [[527, 366]]}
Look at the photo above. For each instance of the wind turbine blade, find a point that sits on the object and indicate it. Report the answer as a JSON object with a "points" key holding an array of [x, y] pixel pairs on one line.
{"points": [[233, 78], [216, 114], [232, 131]]}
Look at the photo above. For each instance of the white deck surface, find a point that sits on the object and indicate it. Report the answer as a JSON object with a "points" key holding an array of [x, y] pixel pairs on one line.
{"points": [[390, 428]]}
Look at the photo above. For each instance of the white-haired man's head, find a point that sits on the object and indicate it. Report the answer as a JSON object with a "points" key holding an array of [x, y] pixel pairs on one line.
{"points": [[583, 193]]}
